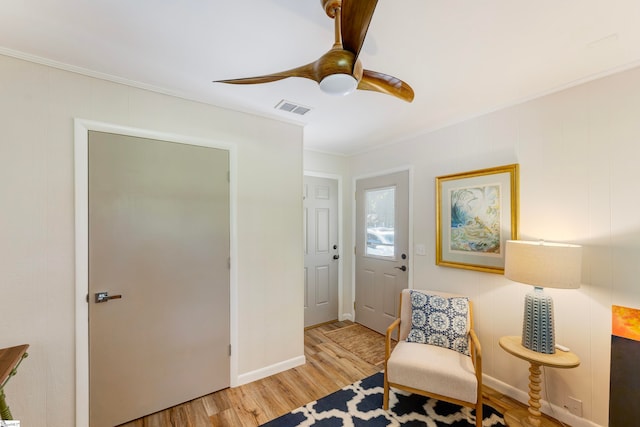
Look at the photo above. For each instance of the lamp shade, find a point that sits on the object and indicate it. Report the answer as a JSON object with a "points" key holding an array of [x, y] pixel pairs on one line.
{"points": [[543, 264]]}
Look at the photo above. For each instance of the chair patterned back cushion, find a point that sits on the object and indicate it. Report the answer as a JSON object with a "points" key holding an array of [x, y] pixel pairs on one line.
{"points": [[441, 321]]}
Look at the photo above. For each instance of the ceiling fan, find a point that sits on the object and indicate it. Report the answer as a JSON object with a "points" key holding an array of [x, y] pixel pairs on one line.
{"points": [[339, 71]]}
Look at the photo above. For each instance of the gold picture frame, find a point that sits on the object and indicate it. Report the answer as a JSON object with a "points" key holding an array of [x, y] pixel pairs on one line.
{"points": [[476, 212]]}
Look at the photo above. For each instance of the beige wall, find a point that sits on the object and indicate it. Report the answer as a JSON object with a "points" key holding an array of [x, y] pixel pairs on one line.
{"points": [[37, 108], [578, 152]]}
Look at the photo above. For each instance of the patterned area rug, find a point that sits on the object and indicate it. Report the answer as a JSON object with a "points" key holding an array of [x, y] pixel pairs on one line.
{"points": [[365, 343], [360, 405]]}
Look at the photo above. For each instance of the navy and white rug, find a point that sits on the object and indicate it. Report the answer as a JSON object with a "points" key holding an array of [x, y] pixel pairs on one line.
{"points": [[360, 405]]}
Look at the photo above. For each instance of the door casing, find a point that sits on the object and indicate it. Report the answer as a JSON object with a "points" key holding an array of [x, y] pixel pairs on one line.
{"points": [[81, 140]]}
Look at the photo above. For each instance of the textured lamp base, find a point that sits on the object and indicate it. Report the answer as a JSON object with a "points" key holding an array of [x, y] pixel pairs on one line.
{"points": [[537, 325]]}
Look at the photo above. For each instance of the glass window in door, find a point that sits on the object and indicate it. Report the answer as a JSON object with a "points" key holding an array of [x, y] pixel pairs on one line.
{"points": [[380, 219]]}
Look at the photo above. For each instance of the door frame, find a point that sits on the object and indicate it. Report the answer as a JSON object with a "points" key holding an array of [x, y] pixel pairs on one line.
{"points": [[341, 311], [81, 172], [409, 169]]}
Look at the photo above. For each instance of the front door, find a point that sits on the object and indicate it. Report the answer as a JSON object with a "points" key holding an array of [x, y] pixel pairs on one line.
{"points": [[158, 275], [382, 242], [321, 259]]}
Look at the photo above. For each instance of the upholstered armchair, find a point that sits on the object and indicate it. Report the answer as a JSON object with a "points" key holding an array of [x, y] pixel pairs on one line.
{"points": [[438, 354]]}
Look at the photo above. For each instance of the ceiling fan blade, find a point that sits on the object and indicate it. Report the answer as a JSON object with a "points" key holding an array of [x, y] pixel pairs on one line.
{"points": [[306, 71], [379, 82], [355, 18]]}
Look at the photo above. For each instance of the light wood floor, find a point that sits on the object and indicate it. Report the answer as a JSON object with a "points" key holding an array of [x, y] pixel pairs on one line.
{"points": [[329, 368]]}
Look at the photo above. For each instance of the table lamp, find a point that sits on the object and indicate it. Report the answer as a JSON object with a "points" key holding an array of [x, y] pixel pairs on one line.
{"points": [[543, 265]]}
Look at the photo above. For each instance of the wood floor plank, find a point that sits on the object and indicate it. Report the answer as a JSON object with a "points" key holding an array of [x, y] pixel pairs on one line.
{"points": [[209, 404], [198, 411]]}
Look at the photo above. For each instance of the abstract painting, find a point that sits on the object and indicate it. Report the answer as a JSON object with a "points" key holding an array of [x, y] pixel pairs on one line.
{"points": [[476, 213], [625, 377]]}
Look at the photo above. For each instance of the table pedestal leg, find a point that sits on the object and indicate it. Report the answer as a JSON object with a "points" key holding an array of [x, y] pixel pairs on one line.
{"points": [[531, 417], [534, 395]]}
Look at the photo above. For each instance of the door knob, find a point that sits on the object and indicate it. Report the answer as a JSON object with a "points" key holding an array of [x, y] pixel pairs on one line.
{"points": [[104, 297], [403, 268]]}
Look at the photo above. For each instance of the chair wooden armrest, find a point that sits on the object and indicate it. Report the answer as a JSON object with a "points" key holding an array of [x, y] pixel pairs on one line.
{"points": [[387, 341], [476, 357], [475, 344]]}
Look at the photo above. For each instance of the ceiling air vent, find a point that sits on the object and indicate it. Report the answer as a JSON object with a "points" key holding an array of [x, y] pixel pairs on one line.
{"points": [[292, 107]]}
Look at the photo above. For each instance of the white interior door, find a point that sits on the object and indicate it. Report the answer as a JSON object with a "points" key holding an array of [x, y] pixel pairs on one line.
{"points": [[322, 253], [382, 243], [159, 246]]}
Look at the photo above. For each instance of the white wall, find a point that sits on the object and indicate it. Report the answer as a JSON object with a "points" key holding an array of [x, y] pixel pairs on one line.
{"points": [[37, 108], [578, 152]]}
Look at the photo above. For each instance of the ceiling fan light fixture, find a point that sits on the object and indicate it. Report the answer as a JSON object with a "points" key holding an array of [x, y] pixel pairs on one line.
{"points": [[338, 84]]}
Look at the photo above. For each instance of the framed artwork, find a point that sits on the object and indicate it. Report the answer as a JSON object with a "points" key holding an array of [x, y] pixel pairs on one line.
{"points": [[476, 213]]}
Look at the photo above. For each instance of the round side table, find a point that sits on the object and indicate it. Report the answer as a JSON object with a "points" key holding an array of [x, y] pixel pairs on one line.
{"points": [[560, 359]]}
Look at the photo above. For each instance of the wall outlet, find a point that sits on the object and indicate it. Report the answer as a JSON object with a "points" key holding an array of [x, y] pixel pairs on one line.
{"points": [[574, 406]]}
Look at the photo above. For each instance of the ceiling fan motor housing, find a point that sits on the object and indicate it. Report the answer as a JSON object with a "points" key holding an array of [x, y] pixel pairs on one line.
{"points": [[338, 71], [338, 61]]}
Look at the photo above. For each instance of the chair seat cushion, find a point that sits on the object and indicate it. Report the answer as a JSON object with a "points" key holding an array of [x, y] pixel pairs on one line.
{"points": [[448, 372]]}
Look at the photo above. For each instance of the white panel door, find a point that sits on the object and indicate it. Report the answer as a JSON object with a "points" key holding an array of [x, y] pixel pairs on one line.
{"points": [[382, 242], [159, 243], [321, 258]]}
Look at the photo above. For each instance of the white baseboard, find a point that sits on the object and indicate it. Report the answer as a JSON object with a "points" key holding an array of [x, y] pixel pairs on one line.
{"points": [[345, 316], [270, 370], [554, 411]]}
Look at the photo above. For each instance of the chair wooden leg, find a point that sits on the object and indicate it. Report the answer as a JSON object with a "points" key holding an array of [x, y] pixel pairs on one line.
{"points": [[479, 416], [385, 398]]}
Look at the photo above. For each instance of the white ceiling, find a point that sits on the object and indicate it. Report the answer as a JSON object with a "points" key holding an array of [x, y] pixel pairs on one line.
{"points": [[462, 57]]}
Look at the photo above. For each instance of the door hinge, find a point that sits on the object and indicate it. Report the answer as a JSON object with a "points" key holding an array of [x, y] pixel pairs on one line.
{"points": [[229, 263], [354, 305], [229, 349], [87, 298]]}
